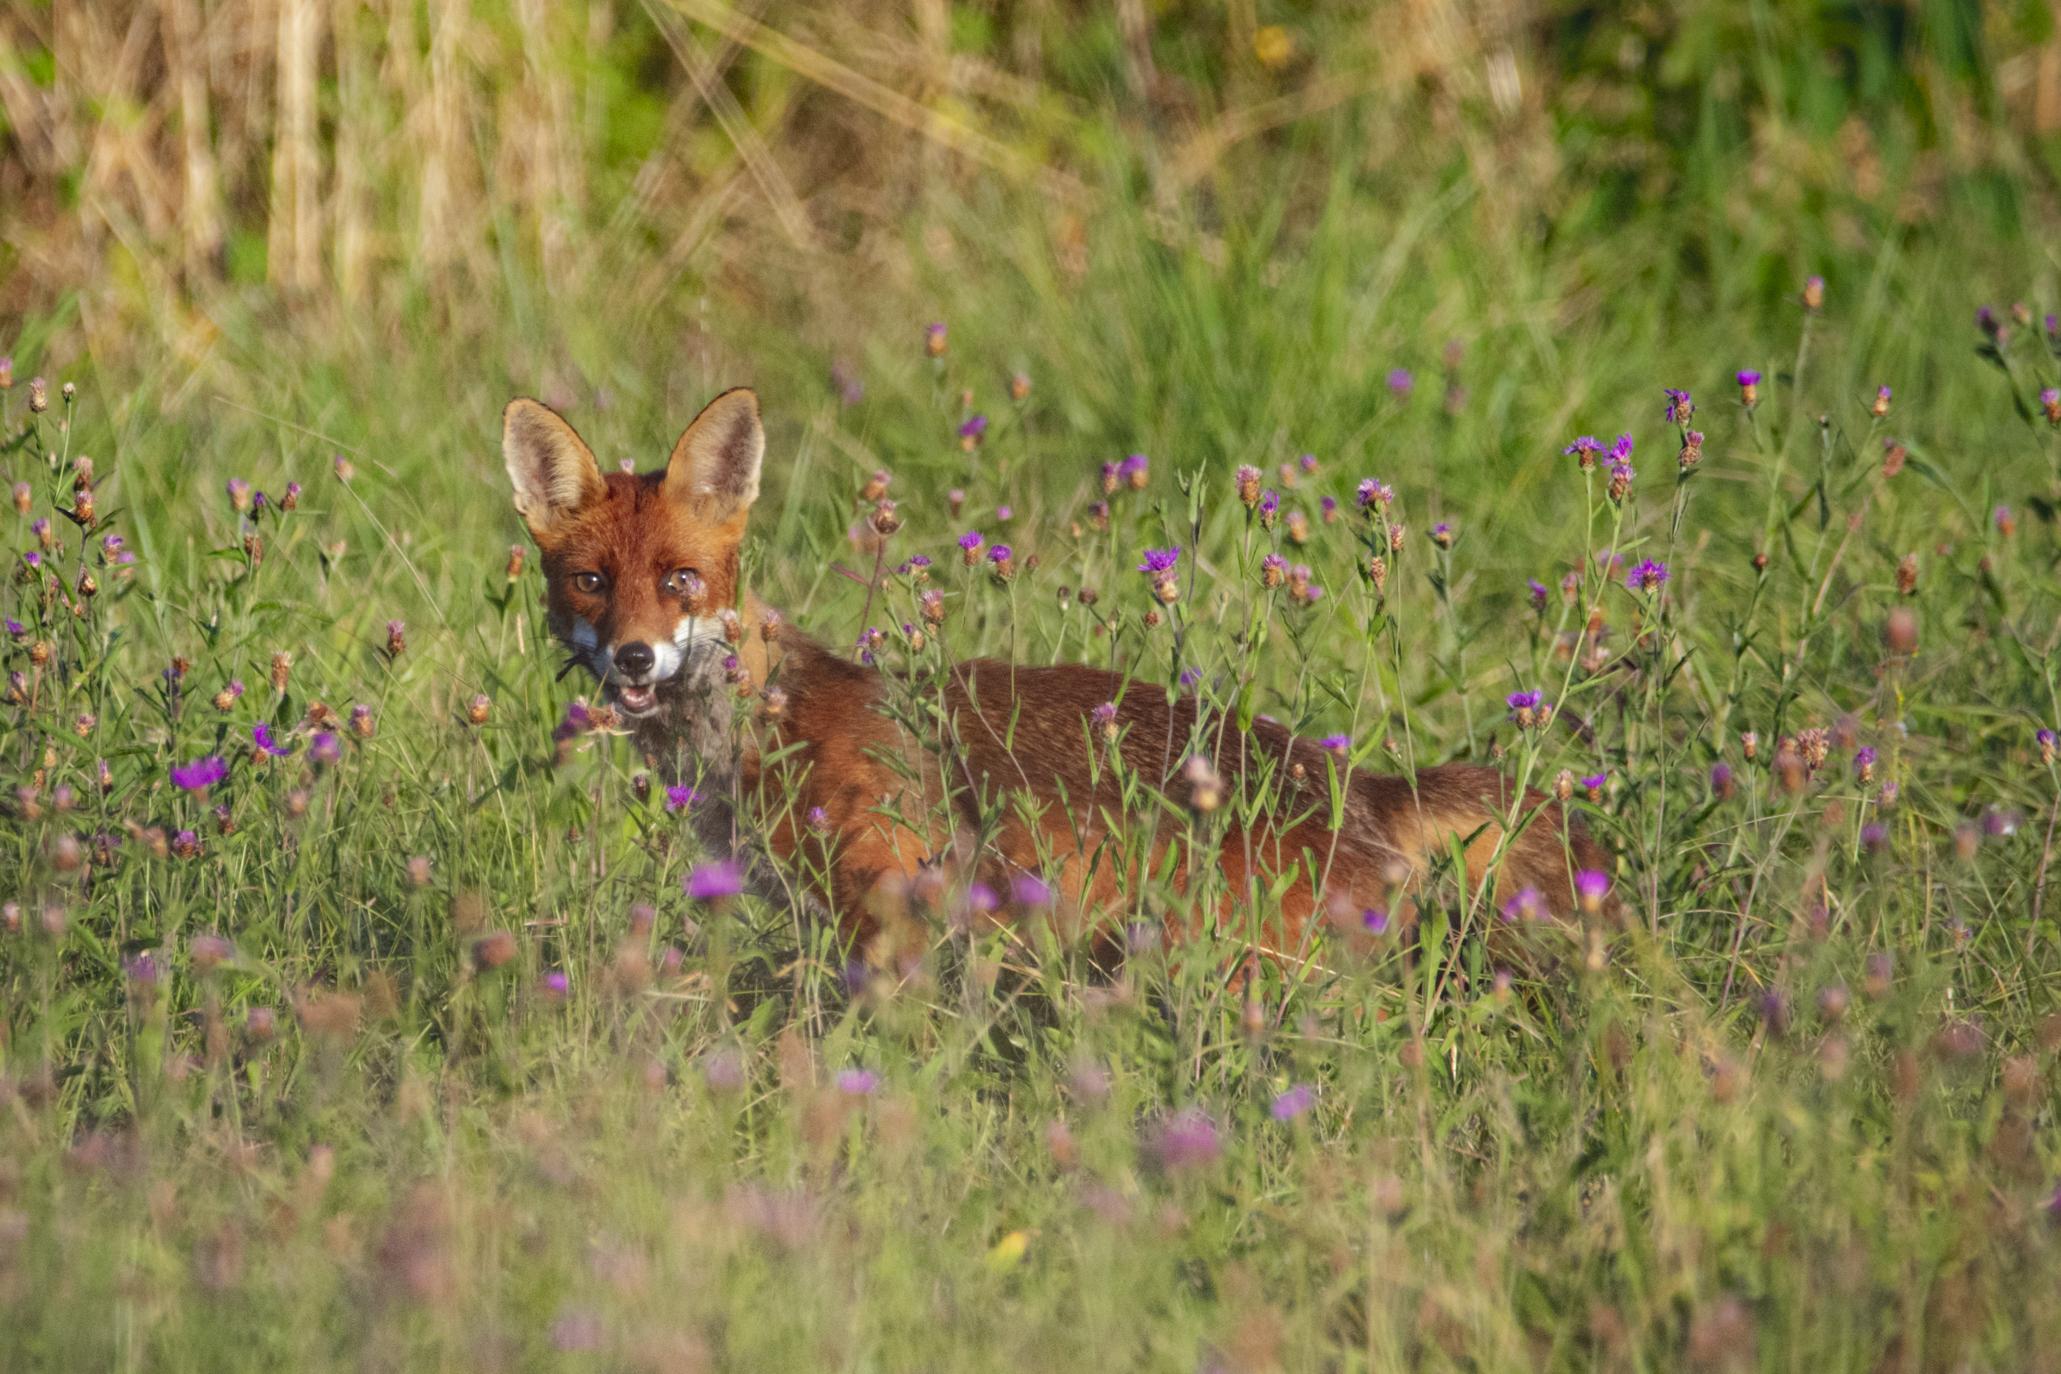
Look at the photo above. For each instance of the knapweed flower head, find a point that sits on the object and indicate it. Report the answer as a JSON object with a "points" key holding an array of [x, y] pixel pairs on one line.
{"points": [[1401, 383], [1536, 593], [1647, 575], [1584, 450], [1749, 386], [2050, 402], [1338, 746], [1159, 562], [1879, 407], [1591, 887], [2045, 739], [1374, 920], [1526, 904], [1528, 709], [200, 774], [239, 494], [857, 1082], [1864, 760], [1691, 451], [1002, 562], [1442, 534], [261, 736], [1273, 570], [1246, 481], [714, 881], [1186, 1140], [934, 339], [1269, 507], [680, 796], [325, 747], [1679, 406], [1295, 1102], [1813, 292], [1136, 471], [971, 431], [1374, 494], [1103, 718]]}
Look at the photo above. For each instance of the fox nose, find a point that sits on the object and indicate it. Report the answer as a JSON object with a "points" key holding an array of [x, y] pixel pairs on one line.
{"points": [[635, 660]]}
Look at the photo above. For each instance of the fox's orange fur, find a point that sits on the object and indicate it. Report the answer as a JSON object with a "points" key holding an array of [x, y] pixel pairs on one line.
{"points": [[643, 587]]}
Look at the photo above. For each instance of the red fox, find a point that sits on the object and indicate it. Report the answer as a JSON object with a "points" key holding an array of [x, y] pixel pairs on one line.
{"points": [[1011, 783]]}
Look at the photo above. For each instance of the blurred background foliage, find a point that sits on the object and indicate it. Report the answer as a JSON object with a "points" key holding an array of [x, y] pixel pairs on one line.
{"points": [[358, 162]]}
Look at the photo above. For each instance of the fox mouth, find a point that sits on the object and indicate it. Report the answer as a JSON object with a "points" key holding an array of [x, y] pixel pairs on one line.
{"points": [[635, 699]]}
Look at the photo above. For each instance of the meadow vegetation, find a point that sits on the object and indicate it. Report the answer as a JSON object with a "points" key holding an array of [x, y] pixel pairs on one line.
{"points": [[359, 1003]]}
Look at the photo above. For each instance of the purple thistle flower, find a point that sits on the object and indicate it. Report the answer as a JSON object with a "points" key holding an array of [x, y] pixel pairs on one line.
{"points": [[1338, 746], [1528, 904], [857, 1082], [1621, 451], [1104, 715], [1328, 505], [261, 735], [1269, 504], [1187, 1140], [1293, 1103], [1535, 591], [577, 721], [1135, 469], [1001, 553], [680, 796], [1864, 758], [199, 774], [1748, 377], [1721, 778], [1594, 782], [1372, 491], [555, 985], [1374, 920], [712, 882], [1524, 701], [1159, 561], [1647, 575], [1679, 406], [1401, 383], [974, 428], [1586, 448], [971, 541], [1189, 678], [1590, 888], [1029, 890], [15, 629], [239, 493], [325, 747], [1874, 835]]}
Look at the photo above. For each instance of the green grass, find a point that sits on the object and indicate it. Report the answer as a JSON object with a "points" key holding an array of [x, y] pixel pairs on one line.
{"points": [[1669, 1152]]}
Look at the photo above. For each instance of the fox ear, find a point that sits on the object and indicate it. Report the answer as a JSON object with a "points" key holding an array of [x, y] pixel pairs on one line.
{"points": [[716, 463], [553, 471]]}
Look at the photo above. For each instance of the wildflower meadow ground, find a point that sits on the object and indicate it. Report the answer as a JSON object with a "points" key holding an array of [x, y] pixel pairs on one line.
{"points": [[1657, 403], [367, 1000]]}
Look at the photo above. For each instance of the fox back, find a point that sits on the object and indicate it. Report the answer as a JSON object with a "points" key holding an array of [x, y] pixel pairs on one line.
{"points": [[1066, 790]]}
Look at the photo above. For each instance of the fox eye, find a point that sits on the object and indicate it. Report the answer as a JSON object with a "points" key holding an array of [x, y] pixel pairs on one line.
{"points": [[589, 582], [682, 582]]}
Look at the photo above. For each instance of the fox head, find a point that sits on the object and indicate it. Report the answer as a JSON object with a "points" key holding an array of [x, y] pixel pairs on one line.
{"points": [[637, 566]]}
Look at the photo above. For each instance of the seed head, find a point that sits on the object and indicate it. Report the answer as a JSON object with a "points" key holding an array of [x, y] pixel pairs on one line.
{"points": [[39, 395], [1205, 786]]}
